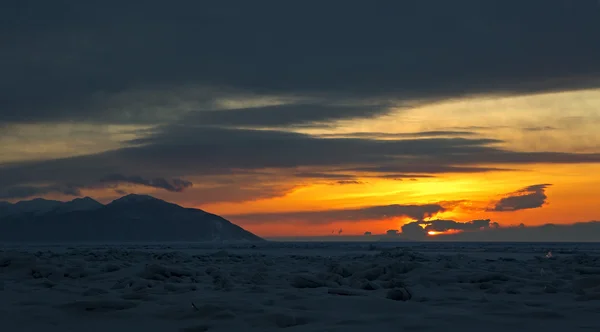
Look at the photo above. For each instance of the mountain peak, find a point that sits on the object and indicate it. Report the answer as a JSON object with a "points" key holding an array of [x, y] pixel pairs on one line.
{"points": [[78, 204], [37, 200], [86, 198], [136, 198], [40, 205], [136, 218]]}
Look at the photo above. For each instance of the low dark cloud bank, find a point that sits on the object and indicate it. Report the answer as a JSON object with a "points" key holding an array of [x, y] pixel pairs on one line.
{"points": [[577, 232], [76, 61], [24, 191], [329, 216], [110, 181], [175, 185], [419, 229], [487, 230]]}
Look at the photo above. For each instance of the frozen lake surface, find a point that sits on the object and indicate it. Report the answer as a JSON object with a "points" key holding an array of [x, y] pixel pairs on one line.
{"points": [[300, 286]]}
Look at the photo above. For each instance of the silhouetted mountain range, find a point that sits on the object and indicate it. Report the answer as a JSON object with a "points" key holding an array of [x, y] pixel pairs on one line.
{"points": [[131, 218]]}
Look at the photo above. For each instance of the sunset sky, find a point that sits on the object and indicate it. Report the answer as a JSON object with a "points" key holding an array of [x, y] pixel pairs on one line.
{"points": [[296, 118]]}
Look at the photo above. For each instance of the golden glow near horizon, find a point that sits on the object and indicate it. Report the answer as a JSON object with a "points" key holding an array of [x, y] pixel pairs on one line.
{"points": [[552, 122], [570, 198]]}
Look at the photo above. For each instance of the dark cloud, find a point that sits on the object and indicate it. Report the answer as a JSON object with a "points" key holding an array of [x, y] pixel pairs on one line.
{"points": [[544, 128], [435, 133], [241, 190], [109, 181], [73, 60], [478, 128], [419, 229], [327, 176], [344, 182], [512, 157], [283, 115], [424, 166], [578, 232], [530, 197], [16, 192], [402, 177], [175, 185], [446, 225], [348, 178], [330, 216], [413, 230]]}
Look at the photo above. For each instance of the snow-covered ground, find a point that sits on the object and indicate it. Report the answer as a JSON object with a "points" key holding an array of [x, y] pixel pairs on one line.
{"points": [[300, 287]]}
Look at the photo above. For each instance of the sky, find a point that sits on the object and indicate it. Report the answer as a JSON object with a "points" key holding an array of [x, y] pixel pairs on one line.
{"points": [[309, 118]]}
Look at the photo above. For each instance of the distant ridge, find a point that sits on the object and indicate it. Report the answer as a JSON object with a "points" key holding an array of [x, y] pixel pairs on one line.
{"points": [[78, 204], [131, 218]]}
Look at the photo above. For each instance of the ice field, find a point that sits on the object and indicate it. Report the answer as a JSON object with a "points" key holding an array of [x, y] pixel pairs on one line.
{"points": [[300, 287]]}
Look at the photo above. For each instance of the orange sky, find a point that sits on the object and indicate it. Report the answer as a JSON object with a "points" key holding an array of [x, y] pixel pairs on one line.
{"points": [[571, 198], [569, 121], [550, 122]]}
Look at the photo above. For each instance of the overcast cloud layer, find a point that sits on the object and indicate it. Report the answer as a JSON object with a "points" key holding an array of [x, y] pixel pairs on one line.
{"points": [[122, 62]]}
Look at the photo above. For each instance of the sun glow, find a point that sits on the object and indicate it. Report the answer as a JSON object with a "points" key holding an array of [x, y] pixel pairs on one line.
{"points": [[448, 232]]}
